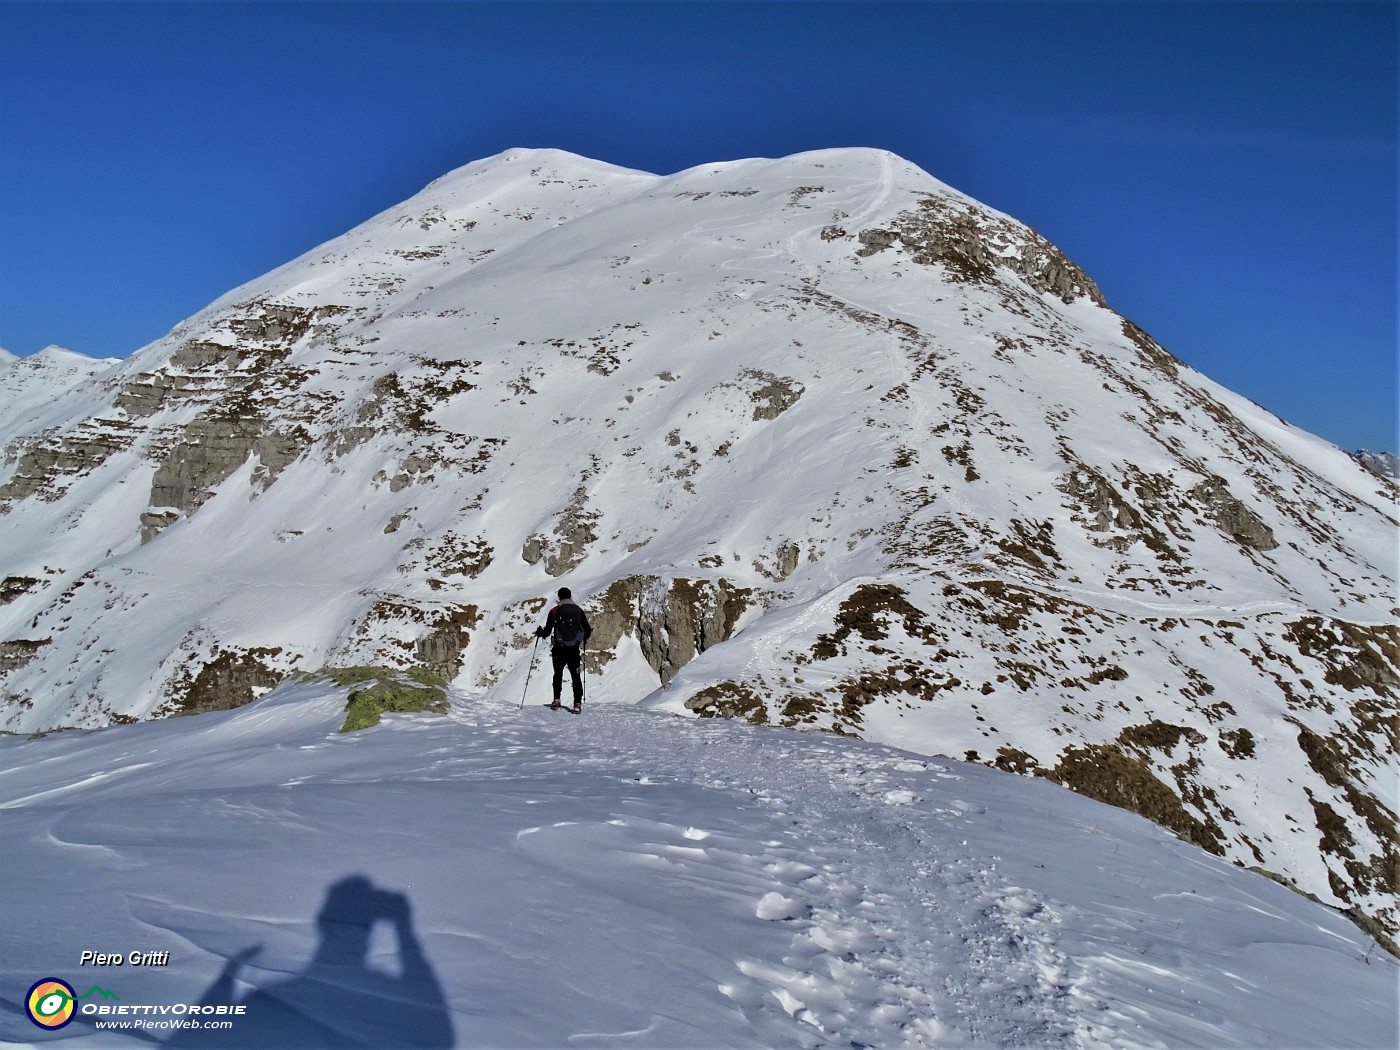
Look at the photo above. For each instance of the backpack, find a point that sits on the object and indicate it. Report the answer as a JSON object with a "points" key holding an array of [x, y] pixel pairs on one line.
{"points": [[568, 625]]}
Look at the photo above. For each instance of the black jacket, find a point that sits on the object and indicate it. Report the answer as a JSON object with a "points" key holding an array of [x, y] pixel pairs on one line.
{"points": [[553, 619]]}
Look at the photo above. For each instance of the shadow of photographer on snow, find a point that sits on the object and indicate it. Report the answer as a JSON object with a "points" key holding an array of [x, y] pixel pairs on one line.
{"points": [[339, 999]]}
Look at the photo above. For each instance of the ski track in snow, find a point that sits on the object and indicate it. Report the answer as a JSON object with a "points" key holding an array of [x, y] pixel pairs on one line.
{"points": [[845, 893], [893, 943]]}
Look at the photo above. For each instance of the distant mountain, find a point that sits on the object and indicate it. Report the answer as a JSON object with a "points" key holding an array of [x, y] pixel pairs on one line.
{"points": [[33, 386], [1386, 464], [820, 441]]}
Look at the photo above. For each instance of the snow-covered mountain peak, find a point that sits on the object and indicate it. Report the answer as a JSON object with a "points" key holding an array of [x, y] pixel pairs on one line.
{"points": [[55, 356], [32, 386], [558, 161], [54, 352], [820, 442]]}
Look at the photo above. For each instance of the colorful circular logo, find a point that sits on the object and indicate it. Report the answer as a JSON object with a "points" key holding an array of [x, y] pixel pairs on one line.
{"points": [[50, 1003]]}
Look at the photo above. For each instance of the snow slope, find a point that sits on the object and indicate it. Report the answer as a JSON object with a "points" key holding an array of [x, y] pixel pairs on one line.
{"points": [[626, 878], [821, 442]]}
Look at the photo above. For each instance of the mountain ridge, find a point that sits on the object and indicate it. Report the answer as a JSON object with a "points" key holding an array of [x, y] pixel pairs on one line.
{"points": [[822, 442]]}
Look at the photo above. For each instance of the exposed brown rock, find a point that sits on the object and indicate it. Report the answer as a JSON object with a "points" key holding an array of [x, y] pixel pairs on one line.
{"points": [[971, 244], [869, 611], [771, 395], [573, 533], [234, 677], [1356, 656], [207, 452], [13, 587], [16, 653], [673, 620], [49, 465], [441, 649], [438, 634], [1233, 516], [1106, 773], [729, 700], [1104, 506]]}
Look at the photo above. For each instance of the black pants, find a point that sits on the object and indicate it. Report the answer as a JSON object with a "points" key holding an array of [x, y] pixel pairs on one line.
{"points": [[567, 656]]}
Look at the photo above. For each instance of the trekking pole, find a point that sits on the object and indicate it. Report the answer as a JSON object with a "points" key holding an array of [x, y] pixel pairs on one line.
{"points": [[533, 653]]}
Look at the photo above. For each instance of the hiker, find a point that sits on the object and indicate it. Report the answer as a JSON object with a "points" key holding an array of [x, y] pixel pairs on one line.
{"points": [[570, 629]]}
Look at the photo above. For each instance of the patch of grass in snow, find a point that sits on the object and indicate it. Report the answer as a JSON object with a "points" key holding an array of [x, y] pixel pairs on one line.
{"points": [[1109, 774], [350, 675], [382, 690]]}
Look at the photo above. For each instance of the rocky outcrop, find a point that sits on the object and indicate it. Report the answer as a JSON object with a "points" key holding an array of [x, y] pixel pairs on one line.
{"points": [[441, 649], [1104, 508], [207, 452], [231, 383], [232, 678], [674, 620], [934, 236], [1358, 658], [1382, 464], [1233, 516], [454, 556], [1113, 774], [971, 244], [871, 241], [404, 632], [573, 533], [196, 372], [1150, 350], [13, 587], [729, 700], [789, 556], [18, 652], [154, 520], [49, 465], [234, 363], [771, 395]]}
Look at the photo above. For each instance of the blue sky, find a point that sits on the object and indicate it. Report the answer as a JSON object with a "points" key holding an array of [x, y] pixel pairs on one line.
{"points": [[1225, 171]]}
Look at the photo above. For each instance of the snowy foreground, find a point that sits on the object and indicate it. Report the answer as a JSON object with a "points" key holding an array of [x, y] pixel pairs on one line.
{"points": [[629, 878]]}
